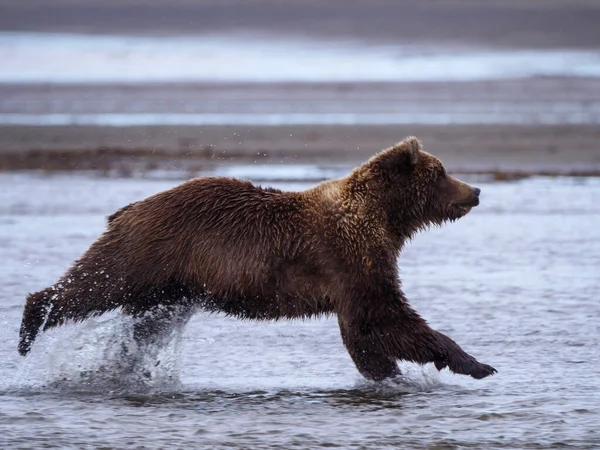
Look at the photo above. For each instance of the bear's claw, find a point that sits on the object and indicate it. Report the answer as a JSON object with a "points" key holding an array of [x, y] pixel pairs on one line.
{"points": [[471, 367], [482, 371], [460, 362]]}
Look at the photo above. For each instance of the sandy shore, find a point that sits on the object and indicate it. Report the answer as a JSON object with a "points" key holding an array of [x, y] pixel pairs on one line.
{"points": [[526, 145], [530, 97], [503, 150]]}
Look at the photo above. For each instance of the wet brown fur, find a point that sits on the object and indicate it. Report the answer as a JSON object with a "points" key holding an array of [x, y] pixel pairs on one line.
{"points": [[221, 244]]}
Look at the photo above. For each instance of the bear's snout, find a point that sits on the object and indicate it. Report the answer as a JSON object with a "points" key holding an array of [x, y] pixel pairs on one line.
{"points": [[474, 201], [475, 196], [466, 196]]}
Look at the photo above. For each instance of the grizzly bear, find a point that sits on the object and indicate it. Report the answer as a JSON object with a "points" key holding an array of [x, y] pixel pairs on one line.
{"points": [[221, 244]]}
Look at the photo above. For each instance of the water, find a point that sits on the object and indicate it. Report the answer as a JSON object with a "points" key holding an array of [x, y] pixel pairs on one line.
{"points": [[53, 79], [515, 283], [503, 115], [79, 58]]}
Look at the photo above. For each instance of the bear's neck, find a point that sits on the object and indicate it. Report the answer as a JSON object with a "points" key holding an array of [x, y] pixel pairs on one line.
{"points": [[350, 201]]}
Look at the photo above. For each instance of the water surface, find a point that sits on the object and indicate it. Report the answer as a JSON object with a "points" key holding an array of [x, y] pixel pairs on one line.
{"points": [[515, 283], [81, 58]]}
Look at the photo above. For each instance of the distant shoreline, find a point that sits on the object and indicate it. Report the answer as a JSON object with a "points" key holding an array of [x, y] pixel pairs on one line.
{"points": [[520, 144], [518, 101], [503, 151]]}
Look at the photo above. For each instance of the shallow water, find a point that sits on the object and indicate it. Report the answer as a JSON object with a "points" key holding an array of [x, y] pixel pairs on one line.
{"points": [[80, 58], [515, 283], [504, 114]]}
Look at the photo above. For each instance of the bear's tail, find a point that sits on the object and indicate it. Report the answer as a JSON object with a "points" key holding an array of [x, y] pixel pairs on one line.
{"points": [[37, 310]]}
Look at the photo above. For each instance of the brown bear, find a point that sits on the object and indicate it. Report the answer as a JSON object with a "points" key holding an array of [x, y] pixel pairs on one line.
{"points": [[221, 244]]}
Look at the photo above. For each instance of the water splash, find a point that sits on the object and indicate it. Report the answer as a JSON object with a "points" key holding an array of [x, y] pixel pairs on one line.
{"points": [[99, 355], [414, 378]]}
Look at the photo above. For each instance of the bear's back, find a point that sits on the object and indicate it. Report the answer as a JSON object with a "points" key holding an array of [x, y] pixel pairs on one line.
{"points": [[216, 231]]}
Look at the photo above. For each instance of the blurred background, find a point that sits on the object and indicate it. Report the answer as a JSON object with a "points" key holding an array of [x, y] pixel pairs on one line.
{"points": [[496, 86]]}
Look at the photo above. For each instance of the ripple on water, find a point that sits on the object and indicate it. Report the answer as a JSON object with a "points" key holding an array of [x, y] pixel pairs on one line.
{"points": [[514, 283]]}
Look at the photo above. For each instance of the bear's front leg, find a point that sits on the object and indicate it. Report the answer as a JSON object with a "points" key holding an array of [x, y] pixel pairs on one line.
{"points": [[378, 327], [370, 362], [458, 361]]}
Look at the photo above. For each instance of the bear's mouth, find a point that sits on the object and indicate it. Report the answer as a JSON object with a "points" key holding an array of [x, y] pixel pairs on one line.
{"points": [[462, 207], [458, 211], [467, 203]]}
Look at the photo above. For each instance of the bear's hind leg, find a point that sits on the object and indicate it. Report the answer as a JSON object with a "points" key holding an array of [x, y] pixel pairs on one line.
{"points": [[35, 315], [153, 329], [155, 325]]}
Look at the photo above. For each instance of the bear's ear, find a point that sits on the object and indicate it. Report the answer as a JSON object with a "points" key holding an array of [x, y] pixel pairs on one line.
{"points": [[403, 155], [409, 148]]}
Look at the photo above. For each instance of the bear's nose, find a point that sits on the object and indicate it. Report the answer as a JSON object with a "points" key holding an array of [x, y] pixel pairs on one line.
{"points": [[477, 191]]}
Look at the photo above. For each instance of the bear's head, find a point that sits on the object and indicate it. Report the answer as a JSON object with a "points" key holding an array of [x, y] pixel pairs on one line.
{"points": [[413, 190]]}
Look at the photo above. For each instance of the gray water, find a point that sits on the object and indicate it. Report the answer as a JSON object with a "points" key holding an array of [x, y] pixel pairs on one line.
{"points": [[247, 57], [515, 283], [504, 114], [55, 79]]}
